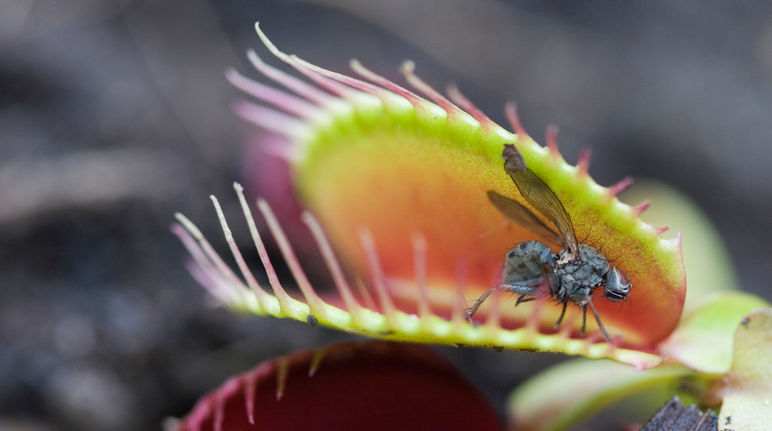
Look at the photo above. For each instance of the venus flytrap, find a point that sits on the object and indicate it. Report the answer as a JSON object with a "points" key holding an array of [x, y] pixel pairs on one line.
{"points": [[381, 167], [349, 386], [394, 182]]}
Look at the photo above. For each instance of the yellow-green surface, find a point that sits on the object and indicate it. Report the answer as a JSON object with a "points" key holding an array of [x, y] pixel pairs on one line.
{"points": [[421, 173], [567, 393], [748, 394], [703, 341]]}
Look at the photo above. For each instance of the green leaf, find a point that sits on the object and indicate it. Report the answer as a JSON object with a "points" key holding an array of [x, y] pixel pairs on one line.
{"points": [[703, 341], [572, 391], [748, 392]]}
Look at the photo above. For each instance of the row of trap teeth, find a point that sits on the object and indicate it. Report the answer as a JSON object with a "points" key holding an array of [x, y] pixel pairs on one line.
{"points": [[212, 407], [378, 318], [292, 114], [257, 394]]}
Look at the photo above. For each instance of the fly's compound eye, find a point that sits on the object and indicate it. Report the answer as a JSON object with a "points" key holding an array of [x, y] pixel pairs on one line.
{"points": [[617, 286]]}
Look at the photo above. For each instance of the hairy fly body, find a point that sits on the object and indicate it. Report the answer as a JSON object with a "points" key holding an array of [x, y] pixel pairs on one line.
{"points": [[573, 274]]}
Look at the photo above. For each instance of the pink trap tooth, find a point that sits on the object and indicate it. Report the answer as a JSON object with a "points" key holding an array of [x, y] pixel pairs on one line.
{"points": [[283, 150], [240, 262], [459, 305], [273, 279], [583, 163], [640, 208], [279, 99], [282, 372], [219, 413], [676, 241], [551, 136], [301, 66], [213, 261], [299, 87], [344, 289], [493, 322], [315, 303], [267, 118], [367, 298], [417, 101], [323, 77], [510, 111], [568, 324], [200, 267], [339, 77], [250, 390], [379, 280], [615, 343], [534, 318], [592, 338], [408, 69], [419, 261], [206, 280], [619, 187], [316, 361], [459, 99]]}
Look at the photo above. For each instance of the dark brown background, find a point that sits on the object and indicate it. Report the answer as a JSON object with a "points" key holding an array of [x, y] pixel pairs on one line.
{"points": [[115, 114]]}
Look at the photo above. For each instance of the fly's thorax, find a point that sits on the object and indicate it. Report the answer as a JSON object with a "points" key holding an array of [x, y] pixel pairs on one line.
{"points": [[579, 277]]}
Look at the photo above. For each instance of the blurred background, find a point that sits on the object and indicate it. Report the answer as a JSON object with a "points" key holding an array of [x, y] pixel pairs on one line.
{"points": [[116, 114]]}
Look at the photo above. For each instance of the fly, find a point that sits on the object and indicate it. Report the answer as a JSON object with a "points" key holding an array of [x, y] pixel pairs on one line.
{"points": [[573, 274]]}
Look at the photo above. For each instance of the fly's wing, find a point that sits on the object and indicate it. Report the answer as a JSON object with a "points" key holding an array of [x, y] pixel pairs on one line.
{"points": [[538, 194], [523, 216]]}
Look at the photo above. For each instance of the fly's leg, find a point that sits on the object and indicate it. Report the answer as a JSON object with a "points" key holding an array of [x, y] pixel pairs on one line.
{"points": [[478, 302], [562, 314], [597, 319], [588, 301], [522, 298], [524, 290]]}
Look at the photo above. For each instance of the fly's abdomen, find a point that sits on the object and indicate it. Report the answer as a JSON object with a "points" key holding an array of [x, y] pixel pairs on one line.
{"points": [[523, 264]]}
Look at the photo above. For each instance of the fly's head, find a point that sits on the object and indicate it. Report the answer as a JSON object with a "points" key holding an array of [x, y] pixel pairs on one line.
{"points": [[617, 286]]}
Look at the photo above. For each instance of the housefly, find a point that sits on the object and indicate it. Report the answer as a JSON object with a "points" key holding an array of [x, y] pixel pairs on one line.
{"points": [[573, 274]]}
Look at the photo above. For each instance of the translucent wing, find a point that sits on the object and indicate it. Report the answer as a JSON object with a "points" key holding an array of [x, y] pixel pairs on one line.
{"points": [[538, 194], [523, 216]]}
